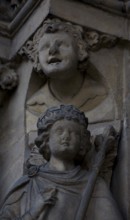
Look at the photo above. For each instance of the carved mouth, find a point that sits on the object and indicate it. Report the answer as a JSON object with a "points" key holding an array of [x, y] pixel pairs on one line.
{"points": [[54, 60], [65, 143]]}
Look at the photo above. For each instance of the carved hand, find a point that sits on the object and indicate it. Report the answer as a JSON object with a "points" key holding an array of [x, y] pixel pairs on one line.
{"points": [[42, 202]]}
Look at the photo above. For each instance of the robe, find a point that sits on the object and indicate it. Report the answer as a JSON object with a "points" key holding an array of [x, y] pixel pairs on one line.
{"points": [[66, 187]]}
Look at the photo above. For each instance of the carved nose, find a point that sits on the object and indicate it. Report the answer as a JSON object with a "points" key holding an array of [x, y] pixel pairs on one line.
{"points": [[54, 48], [66, 136]]}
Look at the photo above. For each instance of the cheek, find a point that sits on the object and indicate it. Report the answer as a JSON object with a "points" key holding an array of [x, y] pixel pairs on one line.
{"points": [[76, 140], [42, 57], [54, 140]]}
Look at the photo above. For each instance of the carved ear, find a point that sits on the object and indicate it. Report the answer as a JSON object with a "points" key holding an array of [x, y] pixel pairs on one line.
{"points": [[83, 54]]}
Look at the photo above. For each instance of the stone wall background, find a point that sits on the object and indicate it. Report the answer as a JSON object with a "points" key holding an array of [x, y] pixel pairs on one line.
{"points": [[12, 131]]}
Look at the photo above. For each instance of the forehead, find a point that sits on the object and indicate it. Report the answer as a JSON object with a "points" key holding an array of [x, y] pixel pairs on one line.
{"points": [[49, 37], [66, 124]]}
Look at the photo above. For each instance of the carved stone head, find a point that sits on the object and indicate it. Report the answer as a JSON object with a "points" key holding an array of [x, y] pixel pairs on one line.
{"points": [[61, 48], [83, 40], [63, 127], [56, 29]]}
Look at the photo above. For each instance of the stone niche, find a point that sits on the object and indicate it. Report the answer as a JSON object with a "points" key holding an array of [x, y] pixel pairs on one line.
{"points": [[103, 95]]}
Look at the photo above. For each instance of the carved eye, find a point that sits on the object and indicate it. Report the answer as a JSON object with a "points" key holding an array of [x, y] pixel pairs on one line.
{"points": [[45, 46], [59, 131], [59, 43], [65, 44], [76, 133]]}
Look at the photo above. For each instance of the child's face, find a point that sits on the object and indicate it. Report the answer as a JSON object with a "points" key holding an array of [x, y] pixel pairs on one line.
{"points": [[64, 139], [58, 55]]}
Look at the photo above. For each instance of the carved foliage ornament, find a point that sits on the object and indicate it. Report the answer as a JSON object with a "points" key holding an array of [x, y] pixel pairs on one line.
{"points": [[86, 40], [8, 77]]}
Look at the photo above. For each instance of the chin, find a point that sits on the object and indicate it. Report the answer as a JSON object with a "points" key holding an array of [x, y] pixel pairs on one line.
{"points": [[52, 75], [58, 73]]}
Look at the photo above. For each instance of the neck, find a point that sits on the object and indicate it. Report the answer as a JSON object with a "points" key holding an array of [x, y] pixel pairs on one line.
{"points": [[61, 164], [65, 89]]}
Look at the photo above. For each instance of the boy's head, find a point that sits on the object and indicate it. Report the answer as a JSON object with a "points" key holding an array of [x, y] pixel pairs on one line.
{"points": [[50, 29], [63, 126]]}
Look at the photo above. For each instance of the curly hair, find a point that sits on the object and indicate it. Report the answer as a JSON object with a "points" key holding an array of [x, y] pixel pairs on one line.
{"points": [[53, 25], [47, 120], [76, 32]]}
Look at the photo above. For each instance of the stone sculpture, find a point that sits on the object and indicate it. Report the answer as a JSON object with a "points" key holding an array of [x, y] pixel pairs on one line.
{"points": [[63, 58], [8, 81], [8, 78], [55, 189]]}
